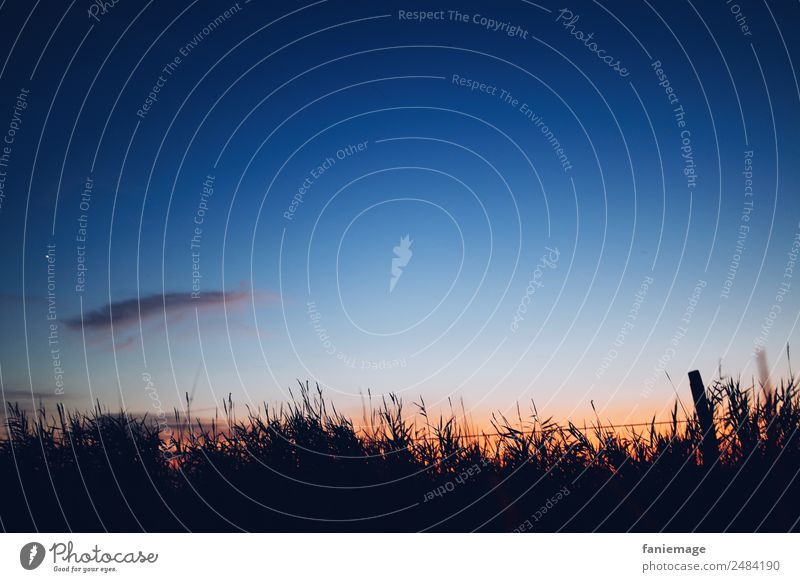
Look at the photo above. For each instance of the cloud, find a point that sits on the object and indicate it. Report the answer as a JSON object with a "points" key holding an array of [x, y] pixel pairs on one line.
{"points": [[127, 312], [15, 395]]}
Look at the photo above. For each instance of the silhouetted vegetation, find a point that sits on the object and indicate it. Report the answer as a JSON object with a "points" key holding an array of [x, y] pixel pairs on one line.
{"points": [[306, 467]]}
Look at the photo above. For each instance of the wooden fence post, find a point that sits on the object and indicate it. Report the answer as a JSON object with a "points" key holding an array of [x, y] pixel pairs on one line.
{"points": [[706, 417]]}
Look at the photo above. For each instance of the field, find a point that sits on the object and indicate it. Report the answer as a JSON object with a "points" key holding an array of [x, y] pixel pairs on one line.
{"points": [[304, 466]]}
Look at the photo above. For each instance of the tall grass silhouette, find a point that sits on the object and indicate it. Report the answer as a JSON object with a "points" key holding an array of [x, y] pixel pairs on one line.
{"points": [[304, 466]]}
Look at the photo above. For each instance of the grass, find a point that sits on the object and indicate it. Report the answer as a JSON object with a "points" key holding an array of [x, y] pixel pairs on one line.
{"points": [[304, 466]]}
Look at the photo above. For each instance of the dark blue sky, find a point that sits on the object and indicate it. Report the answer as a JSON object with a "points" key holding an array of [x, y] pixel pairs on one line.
{"points": [[595, 194]]}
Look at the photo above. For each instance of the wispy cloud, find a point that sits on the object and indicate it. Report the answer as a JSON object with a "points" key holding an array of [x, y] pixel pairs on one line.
{"points": [[12, 395], [127, 312]]}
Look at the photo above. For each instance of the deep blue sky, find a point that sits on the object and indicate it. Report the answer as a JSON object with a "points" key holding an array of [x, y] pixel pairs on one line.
{"points": [[271, 92]]}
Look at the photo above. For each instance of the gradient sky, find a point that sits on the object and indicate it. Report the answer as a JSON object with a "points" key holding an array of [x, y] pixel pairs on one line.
{"points": [[646, 270]]}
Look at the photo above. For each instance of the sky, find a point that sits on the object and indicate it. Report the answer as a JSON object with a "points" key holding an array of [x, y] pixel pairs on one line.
{"points": [[483, 202]]}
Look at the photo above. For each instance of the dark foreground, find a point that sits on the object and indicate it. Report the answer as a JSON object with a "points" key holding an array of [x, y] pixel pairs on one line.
{"points": [[307, 468]]}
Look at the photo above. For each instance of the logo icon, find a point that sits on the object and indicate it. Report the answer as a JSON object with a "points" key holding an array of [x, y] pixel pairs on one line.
{"points": [[402, 257], [31, 555]]}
